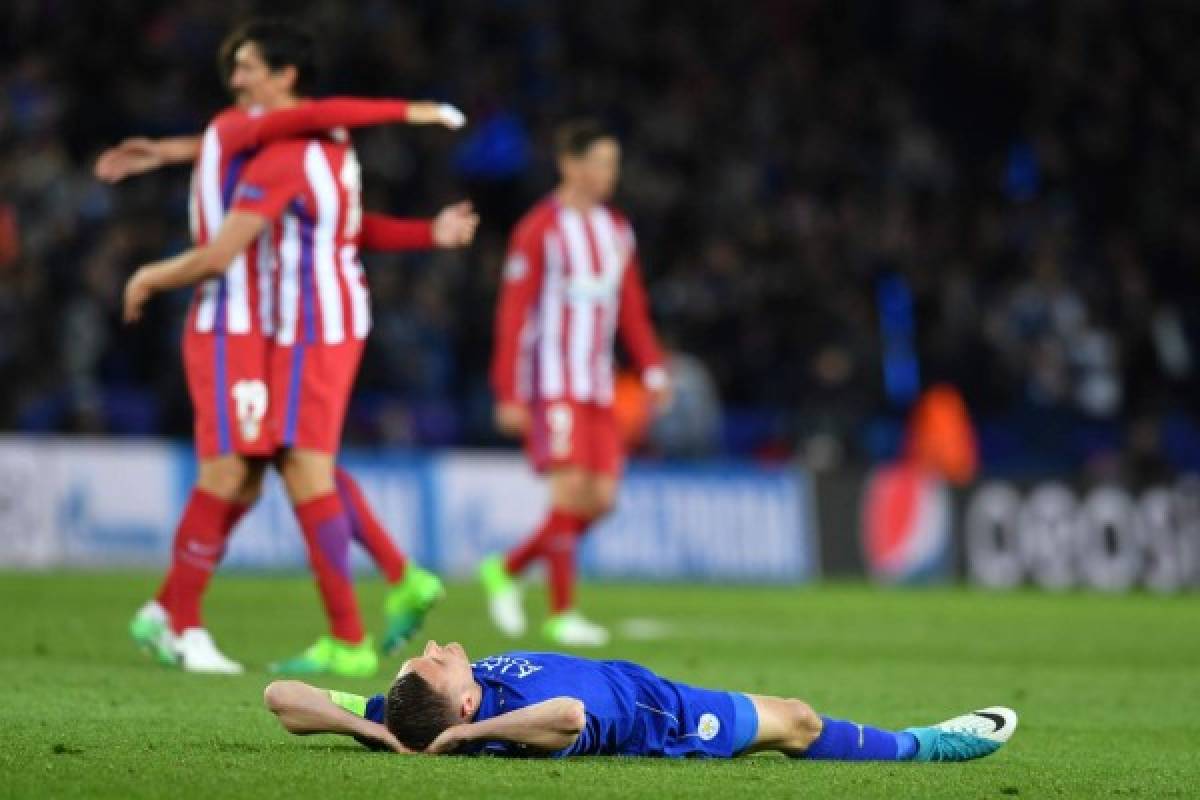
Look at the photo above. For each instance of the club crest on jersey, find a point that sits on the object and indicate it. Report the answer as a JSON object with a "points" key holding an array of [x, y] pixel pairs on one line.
{"points": [[250, 407], [708, 727]]}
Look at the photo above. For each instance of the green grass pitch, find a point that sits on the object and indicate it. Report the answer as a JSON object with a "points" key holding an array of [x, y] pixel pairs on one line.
{"points": [[1108, 689]]}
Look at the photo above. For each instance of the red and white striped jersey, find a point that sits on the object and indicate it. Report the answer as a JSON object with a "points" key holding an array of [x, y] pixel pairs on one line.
{"points": [[571, 283], [240, 301], [311, 189]]}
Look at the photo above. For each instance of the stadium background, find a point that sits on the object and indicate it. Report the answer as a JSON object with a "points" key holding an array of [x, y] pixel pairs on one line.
{"points": [[838, 205]]}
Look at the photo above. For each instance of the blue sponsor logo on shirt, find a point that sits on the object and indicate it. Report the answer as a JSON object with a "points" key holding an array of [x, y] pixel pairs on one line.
{"points": [[508, 665]]}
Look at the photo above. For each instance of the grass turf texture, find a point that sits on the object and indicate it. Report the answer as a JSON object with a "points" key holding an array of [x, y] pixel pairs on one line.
{"points": [[1106, 688]]}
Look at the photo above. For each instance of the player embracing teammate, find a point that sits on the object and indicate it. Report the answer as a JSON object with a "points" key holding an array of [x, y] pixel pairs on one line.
{"points": [[274, 338], [572, 283]]}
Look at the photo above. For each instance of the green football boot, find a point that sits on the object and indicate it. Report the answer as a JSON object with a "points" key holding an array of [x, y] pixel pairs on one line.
{"points": [[151, 631], [503, 596], [407, 604], [330, 656]]}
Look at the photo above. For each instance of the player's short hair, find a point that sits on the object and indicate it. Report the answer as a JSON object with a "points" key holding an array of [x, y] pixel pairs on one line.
{"points": [[281, 42], [575, 137], [415, 713]]}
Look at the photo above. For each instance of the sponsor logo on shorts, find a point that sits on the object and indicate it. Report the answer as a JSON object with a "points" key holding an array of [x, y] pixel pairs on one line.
{"points": [[559, 420], [250, 406]]}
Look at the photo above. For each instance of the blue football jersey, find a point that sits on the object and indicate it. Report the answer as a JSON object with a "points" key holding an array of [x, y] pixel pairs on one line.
{"points": [[630, 710]]}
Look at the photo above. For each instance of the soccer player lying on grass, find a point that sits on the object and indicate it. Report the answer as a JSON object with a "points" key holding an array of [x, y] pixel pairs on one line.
{"points": [[546, 704]]}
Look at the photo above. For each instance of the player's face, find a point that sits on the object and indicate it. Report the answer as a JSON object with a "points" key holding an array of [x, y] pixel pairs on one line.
{"points": [[595, 173], [252, 81], [444, 667]]}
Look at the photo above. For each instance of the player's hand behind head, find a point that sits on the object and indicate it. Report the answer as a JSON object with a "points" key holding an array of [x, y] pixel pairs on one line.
{"points": [[512, 419], [448, 741], [455, 225], [378, 737], [131, 157]]}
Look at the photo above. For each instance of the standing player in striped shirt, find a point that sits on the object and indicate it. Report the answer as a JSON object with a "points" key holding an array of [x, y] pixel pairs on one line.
{"points": [[234, 318], [571, 283]]}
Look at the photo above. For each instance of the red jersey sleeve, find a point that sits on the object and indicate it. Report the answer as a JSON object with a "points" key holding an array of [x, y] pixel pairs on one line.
{"points": [[383, 233], [272, 179], [244, 131], [636, 330], [520, 285]]}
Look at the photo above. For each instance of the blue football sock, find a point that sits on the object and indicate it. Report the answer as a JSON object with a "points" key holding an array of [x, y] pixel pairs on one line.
{"points": [[841, 740]]}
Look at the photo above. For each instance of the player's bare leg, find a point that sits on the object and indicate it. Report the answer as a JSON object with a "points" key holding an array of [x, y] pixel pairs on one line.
{"points": [[170, 626], [308, 476], [785, 725]]}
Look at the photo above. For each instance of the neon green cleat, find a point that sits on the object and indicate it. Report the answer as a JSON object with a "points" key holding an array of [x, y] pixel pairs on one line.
{"points": [[151, 631], [334, 657], [407, 604], [503, 596]]}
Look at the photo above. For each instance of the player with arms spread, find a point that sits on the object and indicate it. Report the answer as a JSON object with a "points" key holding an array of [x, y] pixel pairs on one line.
{"points": [[571, 284], [546, 704], [236, 313]]}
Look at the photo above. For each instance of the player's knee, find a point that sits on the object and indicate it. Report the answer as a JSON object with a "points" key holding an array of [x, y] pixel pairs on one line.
{"points": [[805, 723], [603, 503], [306, 474], [223, 477], [571, 493]]}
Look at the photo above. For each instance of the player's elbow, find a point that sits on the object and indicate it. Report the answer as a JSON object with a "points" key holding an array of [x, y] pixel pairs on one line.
{"points": [[574, 716], [279, 696]]}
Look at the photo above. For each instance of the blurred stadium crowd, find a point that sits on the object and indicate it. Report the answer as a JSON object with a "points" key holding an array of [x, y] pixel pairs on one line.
{"points": [[832, 199]]}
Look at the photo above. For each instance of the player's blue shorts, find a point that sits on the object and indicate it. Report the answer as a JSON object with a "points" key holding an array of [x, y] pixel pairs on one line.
{"points": [[745, 722], [682, 721]]}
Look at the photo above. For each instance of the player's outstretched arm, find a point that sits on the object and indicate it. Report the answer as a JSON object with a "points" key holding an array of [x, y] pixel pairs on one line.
{"points": [[453, 227], [303, 709], [549, 726], [139, 154], [238, 230], [319, 116]]}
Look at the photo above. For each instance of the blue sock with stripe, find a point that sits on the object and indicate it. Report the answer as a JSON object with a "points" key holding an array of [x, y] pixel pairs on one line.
{"points": [[842, 740]]}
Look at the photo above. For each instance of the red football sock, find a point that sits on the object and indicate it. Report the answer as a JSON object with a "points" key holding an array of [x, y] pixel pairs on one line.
{"points": [[199, 546], [326, 529], [366, 529], [555, 541]]}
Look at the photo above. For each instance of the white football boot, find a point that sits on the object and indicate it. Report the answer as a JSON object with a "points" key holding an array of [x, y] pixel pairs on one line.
{"points": [[572, 629], [198, 653]]}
